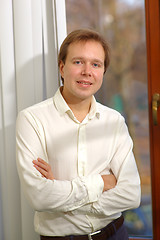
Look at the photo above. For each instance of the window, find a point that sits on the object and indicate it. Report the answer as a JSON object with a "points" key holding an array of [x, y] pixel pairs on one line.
{"points": [[122, 22]]}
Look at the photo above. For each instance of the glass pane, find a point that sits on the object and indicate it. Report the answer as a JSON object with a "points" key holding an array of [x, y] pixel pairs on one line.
{"points": [[122, 22]]}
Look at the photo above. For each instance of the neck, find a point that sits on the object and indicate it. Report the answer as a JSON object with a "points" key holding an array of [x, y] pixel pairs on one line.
{"points": [[80, 110], [80, 107]]}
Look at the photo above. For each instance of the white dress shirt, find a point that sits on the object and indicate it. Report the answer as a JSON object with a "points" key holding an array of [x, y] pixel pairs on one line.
{"points": [[79, 153]]}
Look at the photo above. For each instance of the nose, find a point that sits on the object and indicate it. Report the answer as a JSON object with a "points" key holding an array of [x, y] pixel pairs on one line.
{"points": [[86, 70]]}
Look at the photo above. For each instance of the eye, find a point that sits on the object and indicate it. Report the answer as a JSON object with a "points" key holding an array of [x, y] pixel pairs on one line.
{"points": [[77, 62], [95, 65]]}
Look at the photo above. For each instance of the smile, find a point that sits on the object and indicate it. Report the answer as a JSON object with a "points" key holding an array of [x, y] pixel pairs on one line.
{"points": [[84, 83]]}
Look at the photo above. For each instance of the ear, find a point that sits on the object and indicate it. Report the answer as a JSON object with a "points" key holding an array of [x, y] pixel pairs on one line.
{"points": [[61, 68]]}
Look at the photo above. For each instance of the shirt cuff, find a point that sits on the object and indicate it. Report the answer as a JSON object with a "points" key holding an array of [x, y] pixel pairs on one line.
{"points": [[94, 185]]}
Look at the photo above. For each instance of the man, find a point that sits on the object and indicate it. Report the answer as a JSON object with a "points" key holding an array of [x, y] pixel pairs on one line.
{"points": [[74, 155]]}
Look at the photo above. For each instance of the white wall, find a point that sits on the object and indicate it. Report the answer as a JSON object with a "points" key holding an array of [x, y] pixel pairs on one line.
{"points": [[29, 41]]}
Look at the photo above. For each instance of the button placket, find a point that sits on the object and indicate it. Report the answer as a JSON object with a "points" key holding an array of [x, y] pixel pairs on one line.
{"points": [[82, 151]]}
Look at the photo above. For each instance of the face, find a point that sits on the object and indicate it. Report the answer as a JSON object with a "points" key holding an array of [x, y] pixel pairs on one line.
{"points": [[83, 70]]}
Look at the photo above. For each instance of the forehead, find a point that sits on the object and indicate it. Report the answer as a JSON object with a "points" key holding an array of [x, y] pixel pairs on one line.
{"points": [[88, 48]]}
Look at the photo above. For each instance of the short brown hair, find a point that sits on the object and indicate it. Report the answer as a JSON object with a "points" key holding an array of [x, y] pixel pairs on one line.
{"points": [[83, 35]]}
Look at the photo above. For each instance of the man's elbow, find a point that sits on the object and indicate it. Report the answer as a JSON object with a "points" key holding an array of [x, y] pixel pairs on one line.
{"points": [[136, 202], [136, 198], [38, 206]]}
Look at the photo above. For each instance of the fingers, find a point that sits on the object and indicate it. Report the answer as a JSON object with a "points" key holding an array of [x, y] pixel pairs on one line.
{"points": [[110, 181], [41, 163], [43, 172], [44, 168]]}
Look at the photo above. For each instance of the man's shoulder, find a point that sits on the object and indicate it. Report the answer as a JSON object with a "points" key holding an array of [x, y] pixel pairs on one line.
{"points": [[39, 106], [110, 115], [107, 110], [38, 109]]}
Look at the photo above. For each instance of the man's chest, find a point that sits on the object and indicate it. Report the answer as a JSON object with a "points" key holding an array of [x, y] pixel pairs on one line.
{"points": [[78, 150]]}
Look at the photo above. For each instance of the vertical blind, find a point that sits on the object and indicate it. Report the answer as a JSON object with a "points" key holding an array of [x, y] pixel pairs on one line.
{"points": [[30, 35]]}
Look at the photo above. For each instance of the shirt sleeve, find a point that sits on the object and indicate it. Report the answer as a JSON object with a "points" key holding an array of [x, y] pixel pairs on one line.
{"points": [[44, 194], [127, 192]]}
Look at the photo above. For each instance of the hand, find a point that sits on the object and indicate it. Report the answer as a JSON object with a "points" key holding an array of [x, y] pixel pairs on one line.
{"points": [[44, 168], [109, 181]]}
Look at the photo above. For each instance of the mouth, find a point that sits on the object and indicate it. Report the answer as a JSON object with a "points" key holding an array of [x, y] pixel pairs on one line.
{"points": [[84, 83]]}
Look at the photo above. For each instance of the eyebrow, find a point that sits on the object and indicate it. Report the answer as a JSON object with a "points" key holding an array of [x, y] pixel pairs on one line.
{"points": [[94, 59]]}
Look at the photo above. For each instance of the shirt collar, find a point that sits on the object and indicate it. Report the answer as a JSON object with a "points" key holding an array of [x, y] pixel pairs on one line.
{"points": [[60, 103], [94, 111], [63, 107]]}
